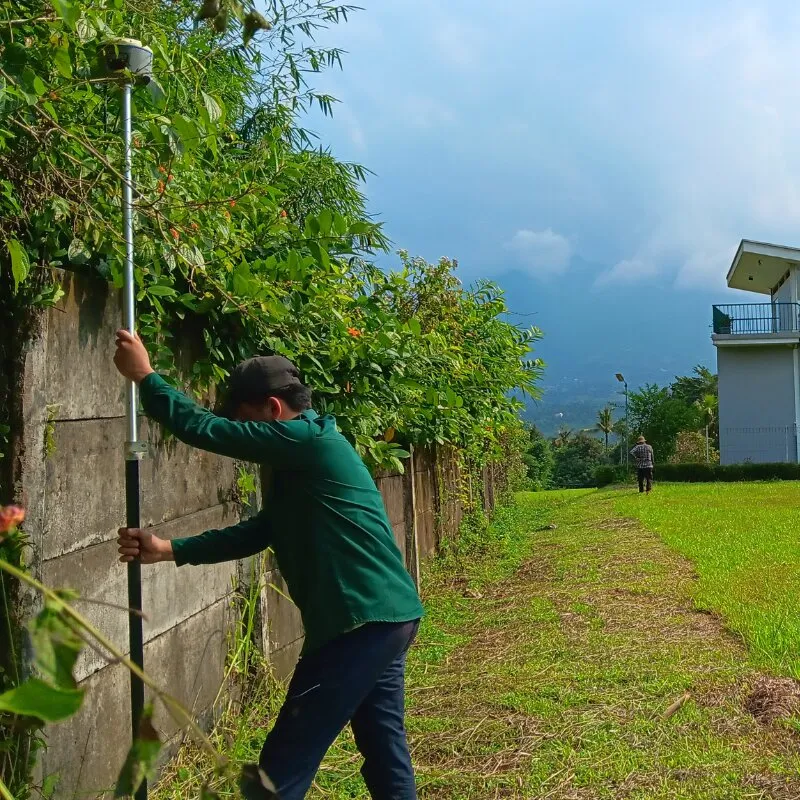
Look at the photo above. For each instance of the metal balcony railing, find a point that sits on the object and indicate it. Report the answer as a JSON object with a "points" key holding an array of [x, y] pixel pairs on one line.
{"points": [[757, 318]]}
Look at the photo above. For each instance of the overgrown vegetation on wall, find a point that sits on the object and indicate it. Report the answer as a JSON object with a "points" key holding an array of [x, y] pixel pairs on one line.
{"points": [[248, 234]]}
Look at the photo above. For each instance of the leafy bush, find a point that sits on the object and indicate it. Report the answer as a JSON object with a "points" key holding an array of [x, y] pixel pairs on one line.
{"points": [[250, 237], [609, 474], [575, 461], [660, 417], [690, 448], [538, 458], [707, 473]]}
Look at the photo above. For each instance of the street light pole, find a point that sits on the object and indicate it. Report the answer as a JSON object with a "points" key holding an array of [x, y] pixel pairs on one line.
{"points": [[627, 430], [621, 378]]}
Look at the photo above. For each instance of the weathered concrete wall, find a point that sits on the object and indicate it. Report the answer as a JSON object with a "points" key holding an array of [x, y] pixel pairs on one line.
{"points": [[71, 481], [72, 484]]}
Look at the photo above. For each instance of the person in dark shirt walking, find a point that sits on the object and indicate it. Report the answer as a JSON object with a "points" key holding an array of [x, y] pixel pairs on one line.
{"points": [[326, 523], [643, 456]]}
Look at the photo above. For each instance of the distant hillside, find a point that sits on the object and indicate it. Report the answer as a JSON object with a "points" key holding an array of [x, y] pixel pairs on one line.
{"points": [[649, 332], [572, 403]]}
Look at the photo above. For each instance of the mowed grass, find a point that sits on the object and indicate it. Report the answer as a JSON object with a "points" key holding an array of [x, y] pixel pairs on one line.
{"points": [[744, 542], [563, 657], [575, 666]]}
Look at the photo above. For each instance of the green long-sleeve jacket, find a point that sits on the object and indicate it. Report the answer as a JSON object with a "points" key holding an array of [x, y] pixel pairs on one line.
{"points": [[325, 519]]}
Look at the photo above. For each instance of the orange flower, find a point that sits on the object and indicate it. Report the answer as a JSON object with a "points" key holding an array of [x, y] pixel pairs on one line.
{"points": [[232, 204], [160, 187], [137, 142], [170, 177], [195, 226], [354, 332], [283, 214], [175, 234], [162, 169], [10, 517]]}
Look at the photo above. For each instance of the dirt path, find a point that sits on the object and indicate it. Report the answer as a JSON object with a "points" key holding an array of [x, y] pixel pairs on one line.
{"points": [[569, 663]]}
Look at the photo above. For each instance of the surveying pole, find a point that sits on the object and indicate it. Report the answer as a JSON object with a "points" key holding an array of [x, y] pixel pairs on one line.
{"points": [[130, 62]]}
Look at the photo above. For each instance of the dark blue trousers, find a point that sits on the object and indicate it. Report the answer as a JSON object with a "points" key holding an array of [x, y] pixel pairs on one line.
{"points": [[358, 678]]}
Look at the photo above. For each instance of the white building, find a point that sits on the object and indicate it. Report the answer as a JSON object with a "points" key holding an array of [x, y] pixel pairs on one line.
{"points": [[758, 357]]}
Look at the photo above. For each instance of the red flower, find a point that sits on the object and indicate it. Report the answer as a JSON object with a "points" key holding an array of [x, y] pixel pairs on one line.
{"points": [[175, 234], [170, 177], [354, 332], [10, 517], [283, 214], [232, 204], [162, 169]]}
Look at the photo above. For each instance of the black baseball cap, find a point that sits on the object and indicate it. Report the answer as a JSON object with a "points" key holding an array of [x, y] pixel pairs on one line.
{"points": [[256, 379]]}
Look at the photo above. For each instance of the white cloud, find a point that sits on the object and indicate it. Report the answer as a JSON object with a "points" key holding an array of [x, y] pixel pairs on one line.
{"points": [[456, 43], [707, 267], [720, 144], [352, 126], [629, 270], [424, 112], [657, 146], [542, 253]]}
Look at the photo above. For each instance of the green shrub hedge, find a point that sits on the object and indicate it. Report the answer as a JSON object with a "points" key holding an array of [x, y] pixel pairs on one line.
{"points": [[610, 473], [706, 473], [703, 473]]}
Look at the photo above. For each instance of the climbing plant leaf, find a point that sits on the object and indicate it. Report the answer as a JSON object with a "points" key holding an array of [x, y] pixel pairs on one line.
{"points": [[20, 264], [37, 698]]}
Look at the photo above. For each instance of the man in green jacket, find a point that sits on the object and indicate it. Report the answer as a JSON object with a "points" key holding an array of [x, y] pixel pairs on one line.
{"points": [[326, 523]]}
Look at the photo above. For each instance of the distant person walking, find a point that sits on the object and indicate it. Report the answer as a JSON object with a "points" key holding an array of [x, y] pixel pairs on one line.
{"points": [[643, 455]]}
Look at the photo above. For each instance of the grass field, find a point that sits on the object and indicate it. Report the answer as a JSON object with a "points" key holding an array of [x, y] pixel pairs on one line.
{"points": [[744, 542], [566, 658]]}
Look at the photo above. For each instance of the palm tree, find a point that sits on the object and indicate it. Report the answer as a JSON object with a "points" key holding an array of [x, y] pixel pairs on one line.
{"points": [[563, 436], [621, 432], [605, 423], [707, 406]]}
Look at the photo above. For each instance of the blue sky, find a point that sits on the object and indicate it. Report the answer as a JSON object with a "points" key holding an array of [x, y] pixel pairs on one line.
{"points": [[601, 161]]}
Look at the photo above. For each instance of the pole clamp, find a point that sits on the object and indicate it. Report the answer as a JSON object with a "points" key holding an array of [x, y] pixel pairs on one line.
{"points": [[136, 451]]}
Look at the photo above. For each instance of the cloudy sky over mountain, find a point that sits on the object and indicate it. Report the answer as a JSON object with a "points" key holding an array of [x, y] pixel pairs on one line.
{"points": [[597, 158]]}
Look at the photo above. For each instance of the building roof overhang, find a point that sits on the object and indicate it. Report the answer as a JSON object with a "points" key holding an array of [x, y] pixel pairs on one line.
{"points": [[758, 267]]}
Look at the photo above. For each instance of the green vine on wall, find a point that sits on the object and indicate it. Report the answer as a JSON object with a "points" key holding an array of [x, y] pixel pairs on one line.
{"points": [[249, 240], [49, 438], [246, 485]]}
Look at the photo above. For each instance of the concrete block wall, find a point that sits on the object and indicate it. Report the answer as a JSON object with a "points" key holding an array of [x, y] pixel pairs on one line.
{"points": [[71, 481], [72, 485]]}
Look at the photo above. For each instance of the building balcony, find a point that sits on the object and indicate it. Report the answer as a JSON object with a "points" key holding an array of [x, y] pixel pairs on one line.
{"points": [[757, 322]]}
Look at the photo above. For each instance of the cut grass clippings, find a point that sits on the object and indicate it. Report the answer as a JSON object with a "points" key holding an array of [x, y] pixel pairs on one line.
{"points": [[561, 657]]}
